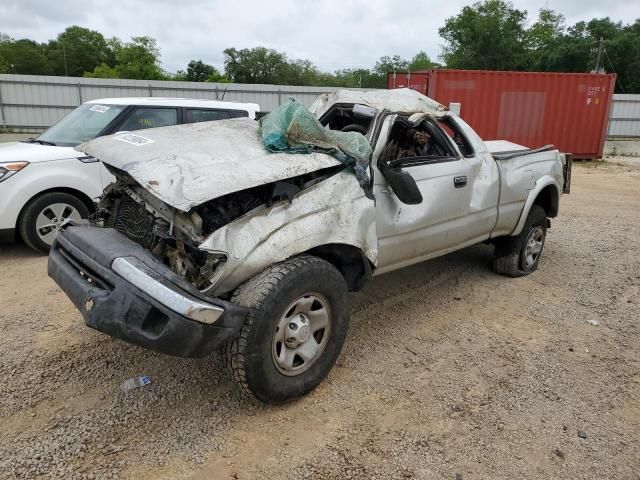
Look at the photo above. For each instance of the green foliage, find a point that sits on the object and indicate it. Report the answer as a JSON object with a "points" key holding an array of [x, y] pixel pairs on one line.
{"points": [[198, 71], [5, 42], [492, 35], [102, 71], [78, 50], [421, 61], [24, 56], [138, 59], [488, 35], [357, 78], [256, 65], [390, 64]]}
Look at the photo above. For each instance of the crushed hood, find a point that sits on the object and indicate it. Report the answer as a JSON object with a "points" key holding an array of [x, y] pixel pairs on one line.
{"points": [[398, 100], [187, 165]]}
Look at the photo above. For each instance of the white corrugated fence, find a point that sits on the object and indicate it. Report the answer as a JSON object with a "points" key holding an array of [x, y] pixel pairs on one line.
{"points": [[624, 120], [32, 102]]}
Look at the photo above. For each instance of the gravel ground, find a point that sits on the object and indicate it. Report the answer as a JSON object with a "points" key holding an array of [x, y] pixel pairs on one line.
{"points": [[449, 371]]}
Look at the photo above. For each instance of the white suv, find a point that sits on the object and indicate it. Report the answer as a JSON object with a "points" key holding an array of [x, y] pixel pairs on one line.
{"points": [[44, 181]]}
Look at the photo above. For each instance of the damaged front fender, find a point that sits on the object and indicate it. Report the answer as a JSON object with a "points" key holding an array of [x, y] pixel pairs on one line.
{"points": [[334, 211]]}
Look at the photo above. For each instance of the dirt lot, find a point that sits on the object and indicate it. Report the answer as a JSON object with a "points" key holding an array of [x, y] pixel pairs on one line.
{"points": [[449, 372]]}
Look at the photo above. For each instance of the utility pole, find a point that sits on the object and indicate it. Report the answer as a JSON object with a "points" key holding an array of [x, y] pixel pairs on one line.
{"points": [[64, 55], [598, 68]]}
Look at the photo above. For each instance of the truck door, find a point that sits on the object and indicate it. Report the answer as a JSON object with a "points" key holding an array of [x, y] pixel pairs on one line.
{"points": [[446, 180]]}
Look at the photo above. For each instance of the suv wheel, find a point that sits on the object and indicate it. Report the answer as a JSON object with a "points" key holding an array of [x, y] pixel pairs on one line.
{"points": [[294, 331], [43, 216], [519, 255]]}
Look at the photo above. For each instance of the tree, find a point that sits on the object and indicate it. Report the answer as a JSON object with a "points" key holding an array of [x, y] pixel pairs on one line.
{"points": [[78, 50], [138, 59], [355, 78], [255, 65], [547, 30], [420, 61], [198, 71], [487, 35], [102, 71], [5, 42], [622, 55], [24, 56], [544, 40], [388, 64]]}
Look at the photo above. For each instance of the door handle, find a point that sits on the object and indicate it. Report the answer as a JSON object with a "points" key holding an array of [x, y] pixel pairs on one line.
{"points": [[460, 181]]}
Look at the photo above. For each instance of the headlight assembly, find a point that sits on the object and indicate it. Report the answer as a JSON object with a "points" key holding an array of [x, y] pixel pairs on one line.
{"points": [[9, 169]]}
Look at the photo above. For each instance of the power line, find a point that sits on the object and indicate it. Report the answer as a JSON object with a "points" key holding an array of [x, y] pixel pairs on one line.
{"points": [[614, 70]]}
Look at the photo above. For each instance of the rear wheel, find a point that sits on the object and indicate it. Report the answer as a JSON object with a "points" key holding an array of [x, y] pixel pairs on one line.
{"points": [[297, 323], [519, 255], [43, 216]]}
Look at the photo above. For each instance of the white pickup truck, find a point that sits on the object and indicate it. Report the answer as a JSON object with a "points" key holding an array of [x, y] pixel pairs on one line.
{"points": [[208, 241]]}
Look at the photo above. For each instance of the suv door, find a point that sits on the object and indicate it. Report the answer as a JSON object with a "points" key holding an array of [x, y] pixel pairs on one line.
{"points": [[411, 233]]}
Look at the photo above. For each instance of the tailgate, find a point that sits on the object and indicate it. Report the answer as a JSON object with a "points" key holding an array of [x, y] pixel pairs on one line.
{"points": [[567, 164]]}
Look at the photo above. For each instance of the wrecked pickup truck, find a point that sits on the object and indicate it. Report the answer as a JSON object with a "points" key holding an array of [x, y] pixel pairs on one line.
{"points": [[208, 241]]}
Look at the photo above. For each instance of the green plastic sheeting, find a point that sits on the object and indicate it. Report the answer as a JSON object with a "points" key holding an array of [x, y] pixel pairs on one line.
{"points": [[292, 128]]}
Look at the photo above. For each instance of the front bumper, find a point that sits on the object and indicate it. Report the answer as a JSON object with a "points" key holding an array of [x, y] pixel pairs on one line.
{"points": [[122, 290]]}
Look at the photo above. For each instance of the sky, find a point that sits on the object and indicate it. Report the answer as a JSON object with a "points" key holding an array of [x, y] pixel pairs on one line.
{"points": [[333, 34]]}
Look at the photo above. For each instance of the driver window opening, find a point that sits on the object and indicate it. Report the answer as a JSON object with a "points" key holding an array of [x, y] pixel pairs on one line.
{"points": [[349, 118], [423, 141], [453, 131]]}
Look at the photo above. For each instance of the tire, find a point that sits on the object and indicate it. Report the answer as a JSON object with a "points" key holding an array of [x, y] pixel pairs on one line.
{"points": [[254, 359], [41, 214], [519, 255]]}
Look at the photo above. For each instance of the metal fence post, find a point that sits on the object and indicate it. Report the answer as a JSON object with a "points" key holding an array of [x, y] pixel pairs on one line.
{"points": [[4, 119], [216, 92], [150, 90], [79, 94], [279, 97]]}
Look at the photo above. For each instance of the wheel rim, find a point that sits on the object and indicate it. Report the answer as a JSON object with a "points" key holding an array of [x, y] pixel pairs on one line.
{"points": [[532, 248], [302, 334], [51, 218]]}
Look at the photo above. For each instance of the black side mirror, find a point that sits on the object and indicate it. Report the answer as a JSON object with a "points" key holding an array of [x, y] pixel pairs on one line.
{"points": [[403, 185]]}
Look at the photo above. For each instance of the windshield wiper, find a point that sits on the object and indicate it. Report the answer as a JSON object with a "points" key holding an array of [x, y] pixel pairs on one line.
{"points": [[41, 142]]}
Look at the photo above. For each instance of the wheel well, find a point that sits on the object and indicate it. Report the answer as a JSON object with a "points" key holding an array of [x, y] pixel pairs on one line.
{"points": [[71, 191], [548, 200], [349, 260]]}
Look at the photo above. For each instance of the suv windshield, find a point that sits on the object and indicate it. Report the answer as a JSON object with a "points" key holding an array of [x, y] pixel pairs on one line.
{"points": [[81, 125]]}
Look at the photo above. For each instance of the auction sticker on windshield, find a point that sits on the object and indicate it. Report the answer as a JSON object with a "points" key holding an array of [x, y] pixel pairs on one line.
{"points": [[133, 139], [99, 108]]}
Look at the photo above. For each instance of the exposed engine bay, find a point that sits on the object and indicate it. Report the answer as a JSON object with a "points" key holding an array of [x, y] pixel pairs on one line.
{"points": [[173, 236]]}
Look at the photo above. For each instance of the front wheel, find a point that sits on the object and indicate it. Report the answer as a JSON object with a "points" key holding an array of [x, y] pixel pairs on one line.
{"points": [[519, 255], [44, 215], [297, 323]]}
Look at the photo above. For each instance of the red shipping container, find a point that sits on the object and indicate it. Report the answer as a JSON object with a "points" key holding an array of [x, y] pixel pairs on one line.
{"points": [[568, 110], [415, 80]]}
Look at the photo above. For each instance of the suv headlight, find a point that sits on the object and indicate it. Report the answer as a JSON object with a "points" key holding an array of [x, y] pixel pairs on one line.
{"points": [[10, 168]]}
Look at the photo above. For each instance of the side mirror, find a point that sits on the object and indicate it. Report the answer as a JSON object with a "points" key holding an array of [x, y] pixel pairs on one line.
{"points": [[403, 185]]}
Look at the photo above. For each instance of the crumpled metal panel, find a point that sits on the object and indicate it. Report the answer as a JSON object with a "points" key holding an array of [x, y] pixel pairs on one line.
{"points": [[187, 165], [332, 211], [398, 100]]}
